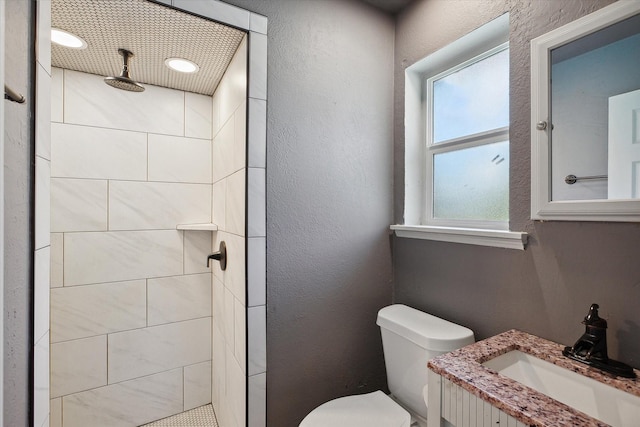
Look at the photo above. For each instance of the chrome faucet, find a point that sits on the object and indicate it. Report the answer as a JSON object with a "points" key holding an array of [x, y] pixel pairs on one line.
{"points": [[591, 347]]}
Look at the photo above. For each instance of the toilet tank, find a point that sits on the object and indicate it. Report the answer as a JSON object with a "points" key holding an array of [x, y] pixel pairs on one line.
{"points": [[409, 339]]}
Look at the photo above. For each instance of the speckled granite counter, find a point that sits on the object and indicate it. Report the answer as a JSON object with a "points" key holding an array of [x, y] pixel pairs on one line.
{"points": [[464, 368]]}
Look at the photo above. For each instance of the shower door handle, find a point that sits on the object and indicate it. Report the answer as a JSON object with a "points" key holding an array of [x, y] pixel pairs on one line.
{"points": [[221, 256]]}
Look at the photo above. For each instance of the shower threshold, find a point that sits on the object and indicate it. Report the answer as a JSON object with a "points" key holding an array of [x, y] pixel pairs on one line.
{"points": [[202, 416]]}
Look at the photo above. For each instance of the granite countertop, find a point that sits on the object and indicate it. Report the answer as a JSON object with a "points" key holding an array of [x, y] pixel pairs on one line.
{"points": [[464, 368]]}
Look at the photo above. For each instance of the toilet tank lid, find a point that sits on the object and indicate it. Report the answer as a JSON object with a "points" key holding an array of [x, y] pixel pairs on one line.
{"points": [[427, 331]]}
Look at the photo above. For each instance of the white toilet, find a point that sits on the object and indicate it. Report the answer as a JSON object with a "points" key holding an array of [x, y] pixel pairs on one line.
{"points": [[409, 339]]}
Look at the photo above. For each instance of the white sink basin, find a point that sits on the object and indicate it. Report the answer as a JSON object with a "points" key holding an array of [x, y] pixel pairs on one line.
{"points": [[598, 400]]}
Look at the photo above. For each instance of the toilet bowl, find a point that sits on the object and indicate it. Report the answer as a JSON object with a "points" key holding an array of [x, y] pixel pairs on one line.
{"points": [[409, 339]]}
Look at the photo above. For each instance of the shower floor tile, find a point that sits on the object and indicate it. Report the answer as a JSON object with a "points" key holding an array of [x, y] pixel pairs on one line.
{"points": [[202, 416]]}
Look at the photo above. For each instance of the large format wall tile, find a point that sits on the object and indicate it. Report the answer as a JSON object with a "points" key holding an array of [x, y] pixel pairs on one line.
{"points": [[78, 365], [157, 109], [233, 87], [223, 151], [41, 386], [179, 159], [121, 255], [57, 88], [157, 205], [197, 247], [197, 385], [126, 404], [41, 279], [78, 205], [56, 270], [197, 115], [155, 349], [235, 203], [172, 299], [84, 311], [86, 152]]}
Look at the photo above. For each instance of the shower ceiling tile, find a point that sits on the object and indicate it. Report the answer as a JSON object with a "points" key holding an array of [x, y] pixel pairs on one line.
{"points": [[153, 33]]}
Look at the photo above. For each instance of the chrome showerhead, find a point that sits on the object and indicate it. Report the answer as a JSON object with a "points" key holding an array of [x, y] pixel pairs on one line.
{"points": [[123, 81]]}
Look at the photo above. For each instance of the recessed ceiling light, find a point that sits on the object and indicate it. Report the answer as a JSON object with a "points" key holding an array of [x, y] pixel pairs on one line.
{"points": [[182, 65], [66, 39]]}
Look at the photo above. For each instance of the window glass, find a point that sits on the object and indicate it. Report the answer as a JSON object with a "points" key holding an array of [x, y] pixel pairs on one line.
{"points": [[472, 183], [472, 99]]}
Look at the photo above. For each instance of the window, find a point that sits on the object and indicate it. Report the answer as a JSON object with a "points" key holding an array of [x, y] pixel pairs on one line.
{"points": [[467, 125], [457, 142]]}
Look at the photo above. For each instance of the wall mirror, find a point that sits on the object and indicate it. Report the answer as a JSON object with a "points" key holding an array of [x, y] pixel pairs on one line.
{"points": [[585, 118]]}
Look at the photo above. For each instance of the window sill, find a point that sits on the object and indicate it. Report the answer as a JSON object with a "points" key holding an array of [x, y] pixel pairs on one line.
{"points": [[471, 236]]}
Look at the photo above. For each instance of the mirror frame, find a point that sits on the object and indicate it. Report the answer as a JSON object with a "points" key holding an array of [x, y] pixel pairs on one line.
{"points": [[542, 207]]}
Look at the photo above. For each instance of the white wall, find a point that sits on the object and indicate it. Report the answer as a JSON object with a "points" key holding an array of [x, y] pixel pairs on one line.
{"points": [[131, 295]]}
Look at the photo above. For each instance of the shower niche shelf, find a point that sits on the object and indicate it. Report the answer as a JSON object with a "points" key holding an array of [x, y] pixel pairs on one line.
{"points": [[198, 227]]}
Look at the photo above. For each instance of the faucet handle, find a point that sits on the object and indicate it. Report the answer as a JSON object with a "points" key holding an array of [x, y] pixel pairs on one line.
{"points": [[592, 318]]}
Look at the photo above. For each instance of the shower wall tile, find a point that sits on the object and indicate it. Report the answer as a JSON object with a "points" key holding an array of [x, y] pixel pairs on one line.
{"points": [[257, 400], [234, 277], [197, 385], [56, 270], [257, 141], [41, 381], [256, 274], [85, 311], [229, 307], [233, 86], [126, 404], [155, 349], [156, 110], [42, 203], [239, 340], [236, 393], [41, 289], [216, 124], [217, 304], [258, 23], [222, 12], [157, 205], [179, 159], [197, 246], [43, 37], [257, 330], [57, 89], [220, 203], [78, 205], [218, 372], [55, 419], [43, 113], [235, 203], [223, 151], [119, 256], [173, 299], [78, 365], [197, 116], [258, 66], [97, 153], [240, 137], [257, 214]]}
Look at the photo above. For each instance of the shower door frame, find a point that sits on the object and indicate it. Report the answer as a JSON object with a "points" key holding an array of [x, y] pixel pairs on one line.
{"points": [[255, 26]]}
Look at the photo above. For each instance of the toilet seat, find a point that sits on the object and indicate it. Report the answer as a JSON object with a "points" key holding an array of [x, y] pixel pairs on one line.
{"points": [[366, 410]]}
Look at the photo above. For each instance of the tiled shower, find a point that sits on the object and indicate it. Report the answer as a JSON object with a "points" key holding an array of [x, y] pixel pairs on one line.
{"points": [[140, 327]]}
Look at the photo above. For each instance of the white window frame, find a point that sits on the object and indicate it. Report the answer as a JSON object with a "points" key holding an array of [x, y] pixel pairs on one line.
{"points": [[418, 158], [452, 145]]}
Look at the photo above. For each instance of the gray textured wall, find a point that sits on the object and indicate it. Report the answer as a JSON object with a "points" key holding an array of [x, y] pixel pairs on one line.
{"points": [[17, 204], [547, 289], [330, 91]]}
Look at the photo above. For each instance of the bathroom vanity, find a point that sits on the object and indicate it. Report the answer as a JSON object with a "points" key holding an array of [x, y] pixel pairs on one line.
{"points": [[517, 379]]}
